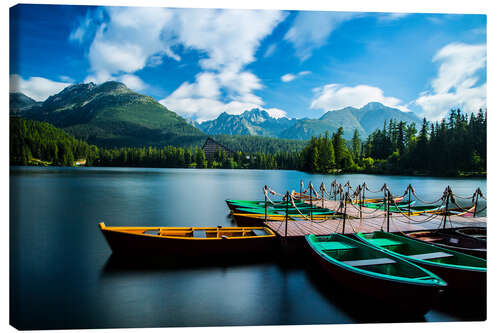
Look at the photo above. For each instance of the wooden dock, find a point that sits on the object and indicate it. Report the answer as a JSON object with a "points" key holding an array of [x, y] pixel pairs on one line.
{"points": [[372, 220]]}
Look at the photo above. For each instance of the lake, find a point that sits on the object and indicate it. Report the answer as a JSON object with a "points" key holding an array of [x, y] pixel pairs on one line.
{"points": [[62, 274]]}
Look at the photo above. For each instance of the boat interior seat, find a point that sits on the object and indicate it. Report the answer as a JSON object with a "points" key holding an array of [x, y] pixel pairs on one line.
{"points": [[328, 246], [154, 232], [385, 241], [259, 232], [199, 234], [432, 255], [369, 262]]}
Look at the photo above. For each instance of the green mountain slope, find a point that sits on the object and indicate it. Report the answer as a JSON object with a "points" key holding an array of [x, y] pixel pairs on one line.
{"points": [[19, 103], [39, 143], [111, 115]]}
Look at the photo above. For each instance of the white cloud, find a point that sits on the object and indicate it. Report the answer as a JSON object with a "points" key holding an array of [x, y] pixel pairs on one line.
{"points": [[38, 88], [132, 81], [288, 77], [310, 30], [335, 96], [226, 40], [200, 100], [388, 17], [456, 83]]}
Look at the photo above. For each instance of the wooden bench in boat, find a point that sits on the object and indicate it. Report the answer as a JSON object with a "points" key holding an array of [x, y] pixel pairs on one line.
{"points": [[385, 241], [329, 246], [369, 262], [199, 234], [432, 255]]}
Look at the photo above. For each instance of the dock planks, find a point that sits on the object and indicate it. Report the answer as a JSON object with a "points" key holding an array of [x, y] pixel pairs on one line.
{"points": [[372, 220]]}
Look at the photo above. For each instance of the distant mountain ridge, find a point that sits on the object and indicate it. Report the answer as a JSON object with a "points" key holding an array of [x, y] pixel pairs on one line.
{"points": [[258, 122], [252, 122]]}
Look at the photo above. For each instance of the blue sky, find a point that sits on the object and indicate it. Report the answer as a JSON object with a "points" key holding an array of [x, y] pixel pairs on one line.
{"points": [[202, 62]]}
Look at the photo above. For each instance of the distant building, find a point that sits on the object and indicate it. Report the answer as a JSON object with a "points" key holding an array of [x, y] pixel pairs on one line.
{"points": [[212, 147], [80, 162]]}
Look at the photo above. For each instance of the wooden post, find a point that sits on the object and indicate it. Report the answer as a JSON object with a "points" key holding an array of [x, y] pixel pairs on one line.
{"points": [[286, 213], [322, 195], [311, 201], [265, 205], [345, 213], [301, 186], [389, 199], [448, 192], [409, 199], [385, 204], [364, 187], [475, 204], [360, 207]]}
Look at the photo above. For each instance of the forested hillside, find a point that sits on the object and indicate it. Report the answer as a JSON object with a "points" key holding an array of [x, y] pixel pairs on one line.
{"points": [[451, 147]]}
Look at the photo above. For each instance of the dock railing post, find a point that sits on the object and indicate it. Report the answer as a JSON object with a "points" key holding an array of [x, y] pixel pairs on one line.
{"points": [[409, 198], [345, 213], [265, 205], [322, 195], [310, 201], [475, 204], [360, 207], [286, 213], [384, 188], [389, 201], [448, 193], [364, 187]]}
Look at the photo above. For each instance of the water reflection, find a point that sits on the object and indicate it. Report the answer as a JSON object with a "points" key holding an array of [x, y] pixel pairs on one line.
{"points": [[62, 274]]}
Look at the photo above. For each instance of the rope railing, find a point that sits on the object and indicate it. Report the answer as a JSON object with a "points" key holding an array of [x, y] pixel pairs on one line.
{"points": [[345, 196]]}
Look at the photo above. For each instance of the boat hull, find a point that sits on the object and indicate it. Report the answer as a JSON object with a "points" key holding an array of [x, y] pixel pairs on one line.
{"points": [[404, 297], [462, 280], [140, 245], [451, 241]]}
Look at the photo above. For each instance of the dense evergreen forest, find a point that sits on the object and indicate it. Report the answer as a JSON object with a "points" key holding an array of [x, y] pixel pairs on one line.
{"points": [[454, 146], [39, 143]]}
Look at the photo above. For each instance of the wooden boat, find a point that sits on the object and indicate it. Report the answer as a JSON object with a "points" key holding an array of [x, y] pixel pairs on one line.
{"points": [[464, 273], [414, 210], [451, 240], [475, 232], [380, 205], [466, 212], [282, 211], [188, 241], [260, 203], [379, 200], [371, 272], [248, 219], [303, 196]]}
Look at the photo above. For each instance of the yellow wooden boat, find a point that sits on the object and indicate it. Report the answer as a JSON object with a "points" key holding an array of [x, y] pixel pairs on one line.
{"points": [[248, 219], [188, 241]]}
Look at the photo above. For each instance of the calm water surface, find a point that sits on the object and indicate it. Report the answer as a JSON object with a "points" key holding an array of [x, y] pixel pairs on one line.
{"points": [[63, 274]]}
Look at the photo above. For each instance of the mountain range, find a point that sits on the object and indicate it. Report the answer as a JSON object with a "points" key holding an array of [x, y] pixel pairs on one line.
{"points": [[259, 122], [112, 115]]}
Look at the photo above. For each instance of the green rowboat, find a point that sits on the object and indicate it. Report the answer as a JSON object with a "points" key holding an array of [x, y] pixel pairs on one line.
{"points": [[371, 272], [462, 272]]}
